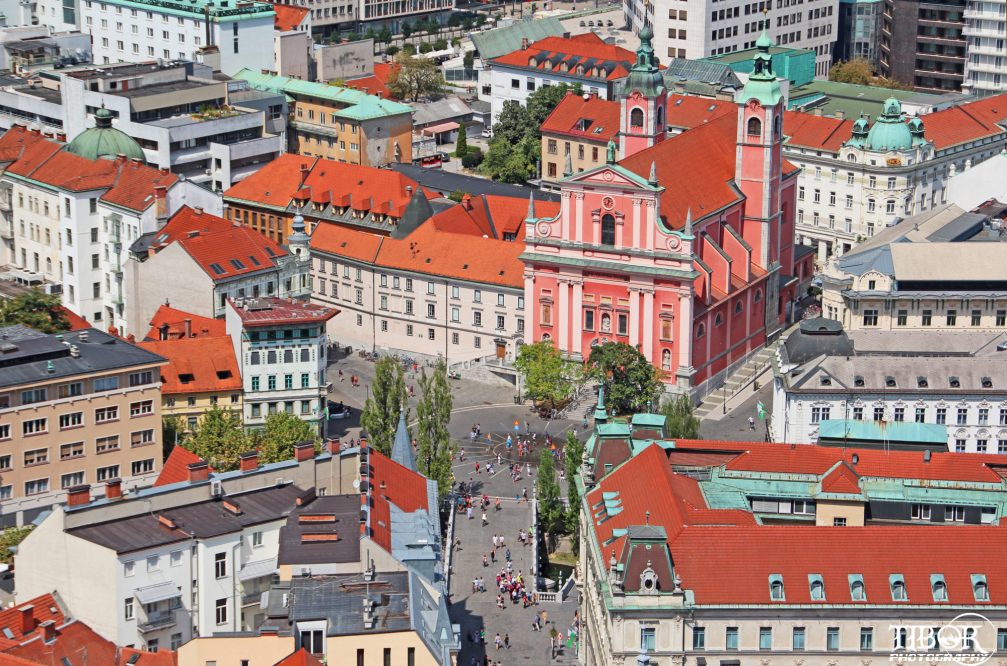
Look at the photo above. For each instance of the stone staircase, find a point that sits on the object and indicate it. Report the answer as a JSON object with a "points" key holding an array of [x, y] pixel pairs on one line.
{"points": [[739, 380]]}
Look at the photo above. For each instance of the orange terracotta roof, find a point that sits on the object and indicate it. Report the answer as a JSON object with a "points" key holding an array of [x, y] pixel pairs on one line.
{"points": [[818, 132], [221, 248], [72, 639], [300, 658], [393, 484], [371, 84], [44, 608], [275, 183], [201, 327], [842, 480], [28, 148], [77, 323], [490, 215], [271, 311], [143, 658], [686, 111], [197, 365], [588, 49], [966, 122], [176, 466], [288, 17], [591, 118], [345, 242]]}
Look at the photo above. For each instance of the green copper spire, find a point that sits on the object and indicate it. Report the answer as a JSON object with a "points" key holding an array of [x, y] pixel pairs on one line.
{"points": [[600, 414], [645, 77], [762, 84]]}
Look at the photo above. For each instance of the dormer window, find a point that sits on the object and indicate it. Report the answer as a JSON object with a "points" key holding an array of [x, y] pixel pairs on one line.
{"points": [[857, 590], [858, 381], [939, 587], [826, 380], [987, 382], [921, 382], [955, 382], [898, 584], [776, 588], [979, 588], [817, 587], [890, 382]]}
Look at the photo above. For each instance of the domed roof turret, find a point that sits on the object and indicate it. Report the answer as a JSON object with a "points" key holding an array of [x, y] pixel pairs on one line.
{"points": [[815, 337], [917, 130], [103, 140], [645, 77], [762, 83], [858, 137], [890, 131]]}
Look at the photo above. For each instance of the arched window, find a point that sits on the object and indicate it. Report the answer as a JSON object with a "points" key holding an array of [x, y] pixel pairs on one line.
{"points": [[636, 117], [857, 591], [778, 127], [776, 590], [546, 336], [817, 590], [940, 591], [981, 591], [666, 359], [700, 331], [758, 295], [608, 230], [606, 323], [660, 119], [738, 307], [718, 320], [754, 127], [898, 591]]}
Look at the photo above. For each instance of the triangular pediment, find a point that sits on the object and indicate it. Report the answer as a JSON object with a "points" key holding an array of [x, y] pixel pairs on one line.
{"points": [[611, 175]]}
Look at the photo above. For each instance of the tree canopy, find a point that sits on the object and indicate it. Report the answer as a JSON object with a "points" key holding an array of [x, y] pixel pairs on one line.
{"points": [[632, 383], [680, 419], [387, 396], [544, 372], [35, 309], [282, 431], [859, 71], [220, 439], [433, 412], [416, 78], [550, 507]]}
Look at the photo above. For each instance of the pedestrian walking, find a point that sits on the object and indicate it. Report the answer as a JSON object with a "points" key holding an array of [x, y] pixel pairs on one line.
{"points": [[485, 522], [485, 560], [507, 641], [498, 641], [751, 422], [468, 512], [536, 624], [507, 555]]}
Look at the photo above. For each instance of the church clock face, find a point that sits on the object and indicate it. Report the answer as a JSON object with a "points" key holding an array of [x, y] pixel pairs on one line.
{"points": [[608, 203]]}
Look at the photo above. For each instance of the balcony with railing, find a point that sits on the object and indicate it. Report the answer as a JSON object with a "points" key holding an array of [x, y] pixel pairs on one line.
{"points": [[157, 621]]}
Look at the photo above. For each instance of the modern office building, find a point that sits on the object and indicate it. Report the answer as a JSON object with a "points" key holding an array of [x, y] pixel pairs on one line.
{"points": [[922, 43], [859, 30], [75, 408], [985, 30], [686, 29]]}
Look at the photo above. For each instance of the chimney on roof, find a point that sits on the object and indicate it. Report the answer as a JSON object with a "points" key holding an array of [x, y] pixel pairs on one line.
{"points": [[161, 204], [198, 471], [188, 327], [524, 43], [61, 137], [267, 630], [926, 455], [817, 111], [197, 210], [841, 114], [378, 93], [78, 495], [467, 202], [332, 445], [113, 489], [48, 631], [304, 451], [409, 190], [305, 170], [163, 331], [249, 461], [27, 619]]}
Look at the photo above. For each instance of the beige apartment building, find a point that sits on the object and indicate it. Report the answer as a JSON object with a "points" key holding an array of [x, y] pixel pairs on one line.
{"points": [[75, 408], [575, 136]]}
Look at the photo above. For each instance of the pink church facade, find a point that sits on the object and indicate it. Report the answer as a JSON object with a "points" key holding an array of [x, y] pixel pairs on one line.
{"points": [[681, 247]]}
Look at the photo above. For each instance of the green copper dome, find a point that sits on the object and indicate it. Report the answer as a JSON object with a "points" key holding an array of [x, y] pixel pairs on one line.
{"points": [[103, 140], [645, 77], [762, 83], [860, 130], [890, 131]]}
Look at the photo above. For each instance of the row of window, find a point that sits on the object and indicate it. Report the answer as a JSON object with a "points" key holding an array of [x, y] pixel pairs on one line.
{"points": [[870, 316], [306, 408], [70, 479], [75, 389], [858, 592], [898, 414], [274, 356], [35, 457], [288, 382], [39, 426], [191, 400], [900, 638]]}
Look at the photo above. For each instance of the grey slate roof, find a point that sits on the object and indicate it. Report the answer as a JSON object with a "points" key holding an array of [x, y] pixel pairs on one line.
{"points": [[441, 110], [25, 359], [339, 601], [203, 519], [499, 41], [684, 69], [402, 447], [346, 511]]}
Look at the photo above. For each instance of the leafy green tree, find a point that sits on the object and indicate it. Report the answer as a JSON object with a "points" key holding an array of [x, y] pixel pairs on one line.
{"points": [[11, 537], [473, 158], [550, 507], [544, 371], [433, 411], [35, 309], [370, 34], [282, 431], [220, 439], [406, 29], [416, 78], [425, 47], [680, 419], [541, 103], [859, 71], [469, 59], [462, 145], [512, 123], [630, 381], [573, 454], [440, 44], [380, 416], [385, 35], [391, 51], [516, 147], [172, 433], [408, 50]]}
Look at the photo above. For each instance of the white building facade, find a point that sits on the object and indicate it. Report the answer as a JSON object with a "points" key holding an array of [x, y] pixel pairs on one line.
{"points": [[696, 30], [986, 54]]}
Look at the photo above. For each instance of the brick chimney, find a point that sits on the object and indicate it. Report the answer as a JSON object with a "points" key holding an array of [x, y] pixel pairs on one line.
{"points": [[332, 445], [113, 489], [161, 202], [48, 631], [188, 327], [198, 471], [78, 495], [27, 619], [304, 451], [467, 202], [249, 461], [305, 170]]}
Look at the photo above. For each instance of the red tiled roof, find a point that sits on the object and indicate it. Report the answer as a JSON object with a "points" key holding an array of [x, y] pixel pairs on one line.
{"points": [[300, 658], [44, 607], [490, 215], [371, 85], [842, 480], [160, 658], [393, 484], [77, 323], [216, 244], [288, 17], [686, 111], [616, 60], [602, 118], [207, 365], [819, 132], [725, 557], [361, 187], [176, 466], [270, 311], [201, 327], [27, 148], [966, 122], [72, 640]]}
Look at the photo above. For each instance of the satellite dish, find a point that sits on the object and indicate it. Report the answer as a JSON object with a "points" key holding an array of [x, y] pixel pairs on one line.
{"points": [[356, 484]]}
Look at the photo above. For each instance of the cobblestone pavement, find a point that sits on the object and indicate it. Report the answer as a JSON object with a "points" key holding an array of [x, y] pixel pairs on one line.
{"points": [[477, 610]]}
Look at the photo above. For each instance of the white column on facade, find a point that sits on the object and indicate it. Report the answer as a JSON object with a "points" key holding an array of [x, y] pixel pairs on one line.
{"points": [[578, 198], [529, 308], [648, 325], [577, 317], [637, 222], [685, 331], [634, 316], [562, 288]]}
